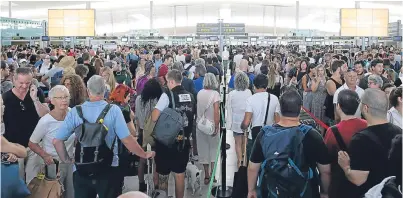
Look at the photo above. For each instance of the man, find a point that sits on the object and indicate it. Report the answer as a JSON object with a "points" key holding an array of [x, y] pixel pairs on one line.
{"points": [[259, 64], [375, 81], [238, 58], [131, 56], [376, 69], [350, 78], [180, 57], [225, 58], [24, 105], [174, 159], [367, 163], [200, 71], [211, 69], [109, 183], [91, 69], [163, 70], [256, 108], [395, 65], [186, 82], [189, 67], [242, 67], [157, 60], [10, 59], [314, 149], [334, 183]]}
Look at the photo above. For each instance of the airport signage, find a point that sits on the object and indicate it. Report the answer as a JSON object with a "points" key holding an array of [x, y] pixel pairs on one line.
{"points": [[45, 38], [226, 29], [341, 38]]}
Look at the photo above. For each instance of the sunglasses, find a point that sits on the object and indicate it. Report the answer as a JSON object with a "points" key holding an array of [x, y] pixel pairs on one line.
{"points": [[22, 106]]}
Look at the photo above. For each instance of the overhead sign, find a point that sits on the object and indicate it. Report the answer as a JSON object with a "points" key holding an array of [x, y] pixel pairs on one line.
{"points": [[397, 38], [45, 38], [364, 22], [226, 29], [341, 37]]}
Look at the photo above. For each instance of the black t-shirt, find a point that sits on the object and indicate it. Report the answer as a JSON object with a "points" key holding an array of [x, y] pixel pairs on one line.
{"points": [[366, 155], [315, 151], [20, 117], [213, 70], [126, 115]]}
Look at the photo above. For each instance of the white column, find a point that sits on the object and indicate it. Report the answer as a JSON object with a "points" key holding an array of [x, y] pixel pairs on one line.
{"points": [[174, 19], [187, 15], [357, 5], [264, 19], [9, 10], [275, 20], [87, 5], [297, 15], [151, 15]]}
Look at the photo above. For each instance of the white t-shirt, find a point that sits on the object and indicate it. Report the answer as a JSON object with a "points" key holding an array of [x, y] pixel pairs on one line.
{"points": [[45, 131], [394, 117], [180, 58], [225, 55], [257, 104], [358, 90], [44, 69], [236, 107], [191, 70], [257, 68], [237, 59]]}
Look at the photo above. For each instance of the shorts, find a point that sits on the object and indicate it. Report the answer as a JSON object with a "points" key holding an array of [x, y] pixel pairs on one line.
{"points": [[236, 134], [169, 160]]}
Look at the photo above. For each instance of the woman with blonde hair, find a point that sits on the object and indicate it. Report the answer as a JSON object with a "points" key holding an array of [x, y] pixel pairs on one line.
{"points": [[319, 92], [275, 80], [110, 80], [208, 100], [76, 87]]}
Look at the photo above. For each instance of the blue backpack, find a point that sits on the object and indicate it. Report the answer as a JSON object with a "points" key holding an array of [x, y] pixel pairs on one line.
{"points": [[281, 173]]}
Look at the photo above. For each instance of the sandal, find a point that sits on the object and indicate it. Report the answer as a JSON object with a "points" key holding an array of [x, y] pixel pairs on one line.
{"points": [[206, 180]]}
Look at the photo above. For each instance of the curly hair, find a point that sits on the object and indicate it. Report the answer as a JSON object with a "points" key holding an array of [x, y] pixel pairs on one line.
{"points": [[152, 90], [98, 64], [78, 92]]}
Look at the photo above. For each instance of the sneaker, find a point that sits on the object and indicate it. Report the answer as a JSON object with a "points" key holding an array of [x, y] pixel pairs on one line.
{"points": [[142, 187]]}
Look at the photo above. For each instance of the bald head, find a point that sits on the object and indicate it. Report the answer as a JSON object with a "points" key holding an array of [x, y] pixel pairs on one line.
{"points": [[133, 194], [375, 103]]}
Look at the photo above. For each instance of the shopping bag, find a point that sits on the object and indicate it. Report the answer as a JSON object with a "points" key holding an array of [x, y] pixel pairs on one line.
{"points": [[43, 186]]}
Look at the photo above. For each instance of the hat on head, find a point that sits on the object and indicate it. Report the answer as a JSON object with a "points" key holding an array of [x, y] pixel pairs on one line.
{"points": [[68, 61]]}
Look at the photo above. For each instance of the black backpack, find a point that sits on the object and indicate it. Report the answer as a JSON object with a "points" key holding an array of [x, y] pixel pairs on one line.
{"points": [[92, 155]]}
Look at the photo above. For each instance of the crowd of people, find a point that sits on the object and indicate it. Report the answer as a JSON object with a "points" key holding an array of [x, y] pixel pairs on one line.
{"points": [[54, 99]]}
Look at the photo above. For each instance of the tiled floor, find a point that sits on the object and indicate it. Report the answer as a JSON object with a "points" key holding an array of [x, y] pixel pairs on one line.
{"points": [[131, 183]]}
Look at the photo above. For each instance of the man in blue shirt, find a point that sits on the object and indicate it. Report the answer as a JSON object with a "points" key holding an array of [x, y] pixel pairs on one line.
{"points": [[108, 184], [243, 67], [157, 61], [200, 71]]}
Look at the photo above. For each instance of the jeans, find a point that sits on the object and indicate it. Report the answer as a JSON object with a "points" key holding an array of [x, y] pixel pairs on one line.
{"points": [[108, 185]]}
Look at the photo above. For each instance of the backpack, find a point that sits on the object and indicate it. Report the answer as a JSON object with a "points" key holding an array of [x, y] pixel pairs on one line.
{"points": [[281, 172], [169, 127], [92, 155], [56, 78]]}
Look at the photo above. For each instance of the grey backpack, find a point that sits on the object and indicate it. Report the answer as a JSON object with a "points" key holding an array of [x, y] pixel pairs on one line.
{"points": [[170, 124], [92, 155]]}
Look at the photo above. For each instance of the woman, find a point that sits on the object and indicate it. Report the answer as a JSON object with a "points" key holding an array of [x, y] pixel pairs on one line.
{"points": [[388, 88], [307, 86], [110, 81], [236, 106], [149, 72], [44, 133], [140, 70], [98, 64], [275, 80], [120, 97], [45, 66], [319, 93], [395, 113], [76, 87], [145, 102], [332, 85], [208, 105]]}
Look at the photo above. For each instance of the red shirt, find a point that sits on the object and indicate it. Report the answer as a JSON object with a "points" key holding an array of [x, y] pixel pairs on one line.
{"points": [[71, 54], [339, 185]]}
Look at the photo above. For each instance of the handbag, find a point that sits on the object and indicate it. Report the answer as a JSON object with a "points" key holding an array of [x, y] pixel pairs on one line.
{"points": [[44, 187], [205, 125], [12, 186]]}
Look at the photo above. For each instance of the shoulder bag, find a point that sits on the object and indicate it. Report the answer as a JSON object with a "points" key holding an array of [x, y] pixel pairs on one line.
{"points": [[205, 125]]}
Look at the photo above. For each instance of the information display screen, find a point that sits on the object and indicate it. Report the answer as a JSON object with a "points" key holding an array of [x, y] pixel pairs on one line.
{"points": [[364, 22], [71, 22], [226, 29]]}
